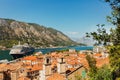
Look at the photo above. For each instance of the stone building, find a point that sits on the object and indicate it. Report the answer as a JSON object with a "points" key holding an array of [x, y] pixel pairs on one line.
{"points": [[46, 67]]}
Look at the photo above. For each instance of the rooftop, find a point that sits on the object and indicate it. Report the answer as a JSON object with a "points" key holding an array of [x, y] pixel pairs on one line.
{"points": [[23, 78], [56, 76], [32, 58]]}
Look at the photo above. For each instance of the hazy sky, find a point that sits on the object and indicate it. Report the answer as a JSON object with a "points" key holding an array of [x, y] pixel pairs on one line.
{"points": [[72, 17]]}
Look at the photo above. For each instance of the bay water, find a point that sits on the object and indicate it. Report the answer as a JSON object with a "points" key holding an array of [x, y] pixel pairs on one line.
{"points": [[4, 54]]}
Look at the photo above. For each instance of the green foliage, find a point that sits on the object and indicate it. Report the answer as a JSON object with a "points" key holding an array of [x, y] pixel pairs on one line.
{"points": [[115, 19], [118, 79], [115, 50], [8, 43], [34, 34], [64, 50], [101, 36], [78, 77], [92, 65], [115, 60], [103, 73], [115, 57], [92, 62]]}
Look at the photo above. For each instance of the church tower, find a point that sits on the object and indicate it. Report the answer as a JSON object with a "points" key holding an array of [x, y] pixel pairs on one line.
{"points": [[46, 67], [61, 65]]}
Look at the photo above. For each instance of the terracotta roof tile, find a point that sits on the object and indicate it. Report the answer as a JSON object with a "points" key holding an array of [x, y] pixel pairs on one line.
{"points": [[12, 66], [71, 69], [82, 55], [98, 55], [56, 76], [23, 78], [54, 63], [34, 68], [102, 61], [32, 58]]}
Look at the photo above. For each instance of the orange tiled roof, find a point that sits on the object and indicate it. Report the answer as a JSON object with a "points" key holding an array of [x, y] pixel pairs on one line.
{"points": [[73, 62], [1, 77], [56, 76], [28, 67], [71, 69], [23, 78], [101, 62], [54, 63], [32, 58], [12, 66], [37, 67], [82, 55], [34, 68], [2, 66], [84, 63], [98, 55]]}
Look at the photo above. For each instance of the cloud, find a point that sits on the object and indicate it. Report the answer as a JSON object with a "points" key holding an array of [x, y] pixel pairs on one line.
{"points": [[73, 33]]}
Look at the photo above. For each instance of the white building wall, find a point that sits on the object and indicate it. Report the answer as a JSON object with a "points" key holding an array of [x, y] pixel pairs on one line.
{"points": [[42, 75]]}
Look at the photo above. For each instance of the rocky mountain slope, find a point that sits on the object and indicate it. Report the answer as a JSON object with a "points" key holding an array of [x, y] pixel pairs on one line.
{"points": [[12, 31]]}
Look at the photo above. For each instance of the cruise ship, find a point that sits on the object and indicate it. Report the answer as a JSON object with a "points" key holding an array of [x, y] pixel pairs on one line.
{"points": [[19, 51]]}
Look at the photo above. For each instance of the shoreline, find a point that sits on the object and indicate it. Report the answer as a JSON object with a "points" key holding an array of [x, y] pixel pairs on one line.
{"points": [[5, 53]]}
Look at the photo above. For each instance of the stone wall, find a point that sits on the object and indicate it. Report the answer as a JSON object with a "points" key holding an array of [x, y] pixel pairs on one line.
{"points": [[75, 73]]}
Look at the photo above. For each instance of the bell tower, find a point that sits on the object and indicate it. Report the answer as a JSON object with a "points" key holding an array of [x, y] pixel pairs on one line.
{"points": [[61, 65], [47, 66]]}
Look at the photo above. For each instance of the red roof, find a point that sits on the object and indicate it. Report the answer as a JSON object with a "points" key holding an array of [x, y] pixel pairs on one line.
{"points": [[98, 55], [56, 76], [32, 58], [23, 78]]}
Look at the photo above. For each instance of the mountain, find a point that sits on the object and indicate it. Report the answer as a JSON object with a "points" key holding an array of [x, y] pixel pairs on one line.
{"points": [[85, 41], [12, 31]]}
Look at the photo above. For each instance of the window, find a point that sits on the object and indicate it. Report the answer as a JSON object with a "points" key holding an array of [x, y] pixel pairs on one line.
{"points": [[48, 60]]}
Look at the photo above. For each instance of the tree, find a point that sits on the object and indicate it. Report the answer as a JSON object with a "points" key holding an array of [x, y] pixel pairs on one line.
{"points": [[115, 49], [78, 77], [101, 36], [93, 68], [115, 18], [103, 73], [115, 61], [114, 37]]}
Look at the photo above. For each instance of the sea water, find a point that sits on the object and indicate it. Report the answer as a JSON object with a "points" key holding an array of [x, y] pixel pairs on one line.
{"points": [[4, 54]]}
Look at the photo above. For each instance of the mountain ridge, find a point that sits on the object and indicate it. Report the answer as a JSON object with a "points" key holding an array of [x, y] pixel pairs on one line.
{"points": [[12, 31]]}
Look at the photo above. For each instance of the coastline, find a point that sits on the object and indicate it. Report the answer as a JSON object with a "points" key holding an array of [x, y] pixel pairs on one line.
{"points": [[4, 54]]}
